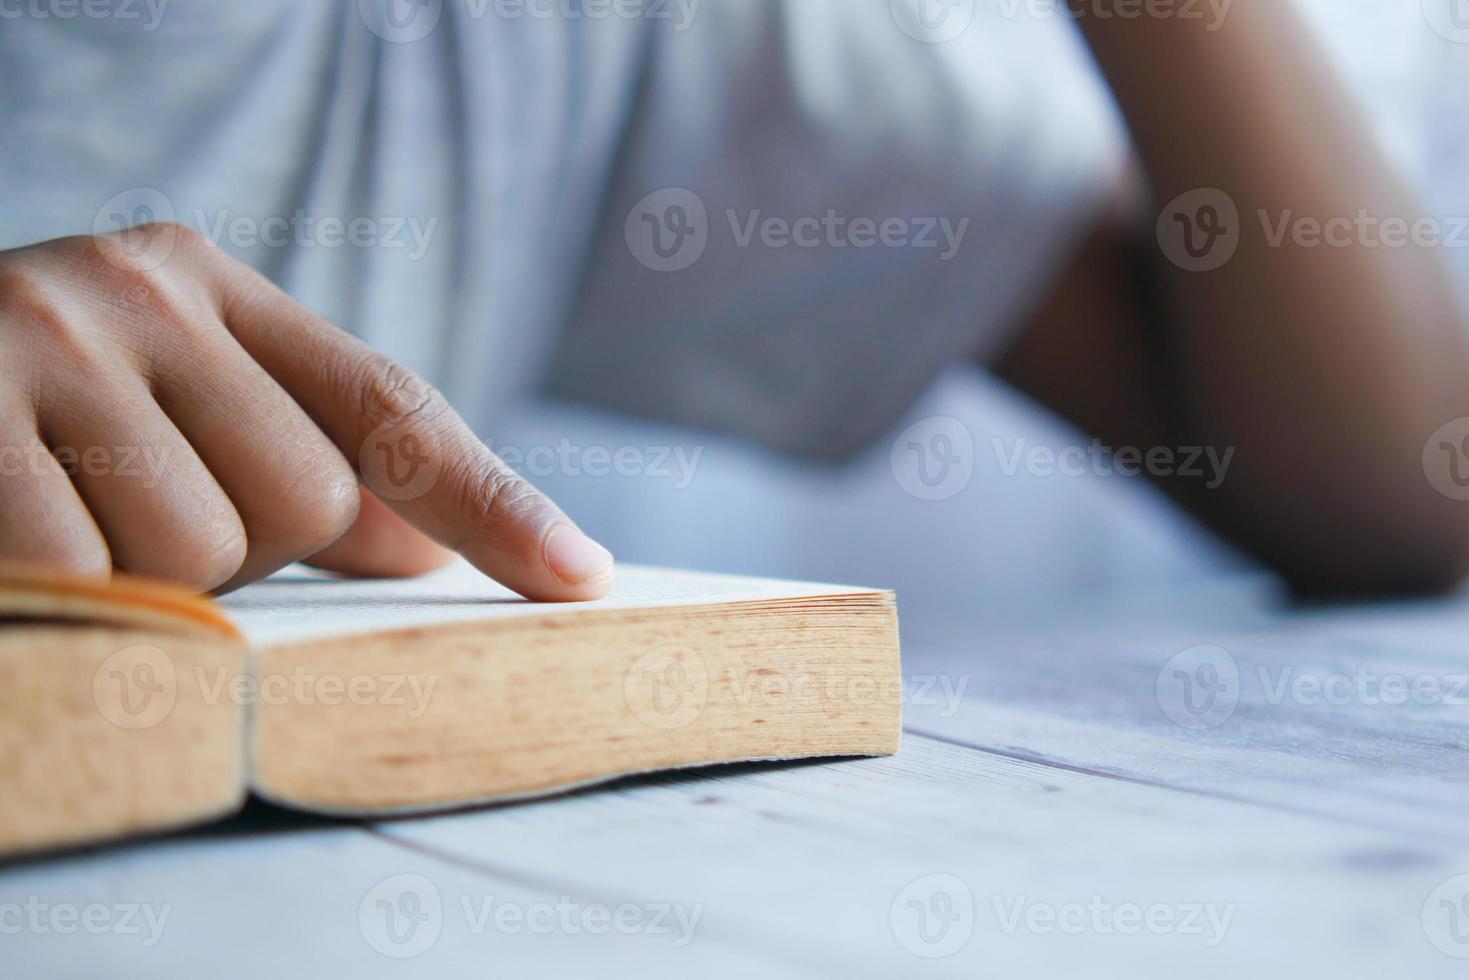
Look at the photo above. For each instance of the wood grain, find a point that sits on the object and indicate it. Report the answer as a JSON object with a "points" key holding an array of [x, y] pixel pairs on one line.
{"points": [[1046, 779]]}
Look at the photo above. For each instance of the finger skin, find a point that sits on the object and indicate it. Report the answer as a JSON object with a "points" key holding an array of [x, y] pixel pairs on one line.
{"points": [[382, 545], [220, 478], [43, 520], [137, 316], [294, 491], [412, 450], [158, 506]]}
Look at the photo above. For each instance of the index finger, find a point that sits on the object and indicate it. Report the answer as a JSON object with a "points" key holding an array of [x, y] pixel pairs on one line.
{"points": [[413, 450]]}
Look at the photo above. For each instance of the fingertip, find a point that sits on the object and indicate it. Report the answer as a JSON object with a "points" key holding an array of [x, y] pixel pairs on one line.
{"points": [[598, 587], [578, 562]]}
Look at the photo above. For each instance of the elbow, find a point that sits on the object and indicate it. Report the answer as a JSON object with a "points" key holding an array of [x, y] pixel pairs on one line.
{"points": [[1437, 564], [1423, 555]]}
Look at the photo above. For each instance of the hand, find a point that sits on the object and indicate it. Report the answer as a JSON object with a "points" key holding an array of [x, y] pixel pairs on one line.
{"points": [[167, 411]]}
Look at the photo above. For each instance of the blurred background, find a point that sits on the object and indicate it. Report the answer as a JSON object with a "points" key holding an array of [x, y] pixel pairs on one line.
{"points": [[1003, 544], [785, 114]]}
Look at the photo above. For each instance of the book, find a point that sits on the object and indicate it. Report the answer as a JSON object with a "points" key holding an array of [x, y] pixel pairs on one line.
{"points": [[129, 707]]}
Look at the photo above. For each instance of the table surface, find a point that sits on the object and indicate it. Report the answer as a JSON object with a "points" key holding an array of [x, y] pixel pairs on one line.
{"points": [[1208, 784]]}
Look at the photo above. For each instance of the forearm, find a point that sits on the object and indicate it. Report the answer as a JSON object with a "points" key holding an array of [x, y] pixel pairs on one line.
{"points": [[1327, 366]]}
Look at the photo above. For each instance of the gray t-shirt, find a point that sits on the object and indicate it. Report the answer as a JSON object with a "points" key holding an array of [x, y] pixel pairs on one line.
{"points": [[778, 218]]}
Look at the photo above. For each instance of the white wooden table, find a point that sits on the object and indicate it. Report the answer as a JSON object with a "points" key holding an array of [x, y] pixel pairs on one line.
{"points": [[1070, 815]]}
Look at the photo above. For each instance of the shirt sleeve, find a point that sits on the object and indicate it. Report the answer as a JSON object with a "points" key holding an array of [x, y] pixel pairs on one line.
{"points": [[820, 204]]}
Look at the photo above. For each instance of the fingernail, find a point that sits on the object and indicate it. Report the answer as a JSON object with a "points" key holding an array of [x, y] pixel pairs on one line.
{"points": [[575, 558]]}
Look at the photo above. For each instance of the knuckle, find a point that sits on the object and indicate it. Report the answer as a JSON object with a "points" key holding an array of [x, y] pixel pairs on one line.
{"points": [[93, 562], [112, 282], [152, 301], [186, 236], [177, 235], [75, 254], [212, 557], [38, 322], [78, 559], [393, 396], [79, 548], [142, 248], [18, 288], [125, 251], [335, 503], [319, 506], [498, 502]]}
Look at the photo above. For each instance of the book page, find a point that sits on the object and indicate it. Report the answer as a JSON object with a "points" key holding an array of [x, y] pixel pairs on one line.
{"points": [[301, 604]]}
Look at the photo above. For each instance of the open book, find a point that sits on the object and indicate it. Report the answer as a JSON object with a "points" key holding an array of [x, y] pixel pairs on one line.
{"points": [[130, 707]]}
